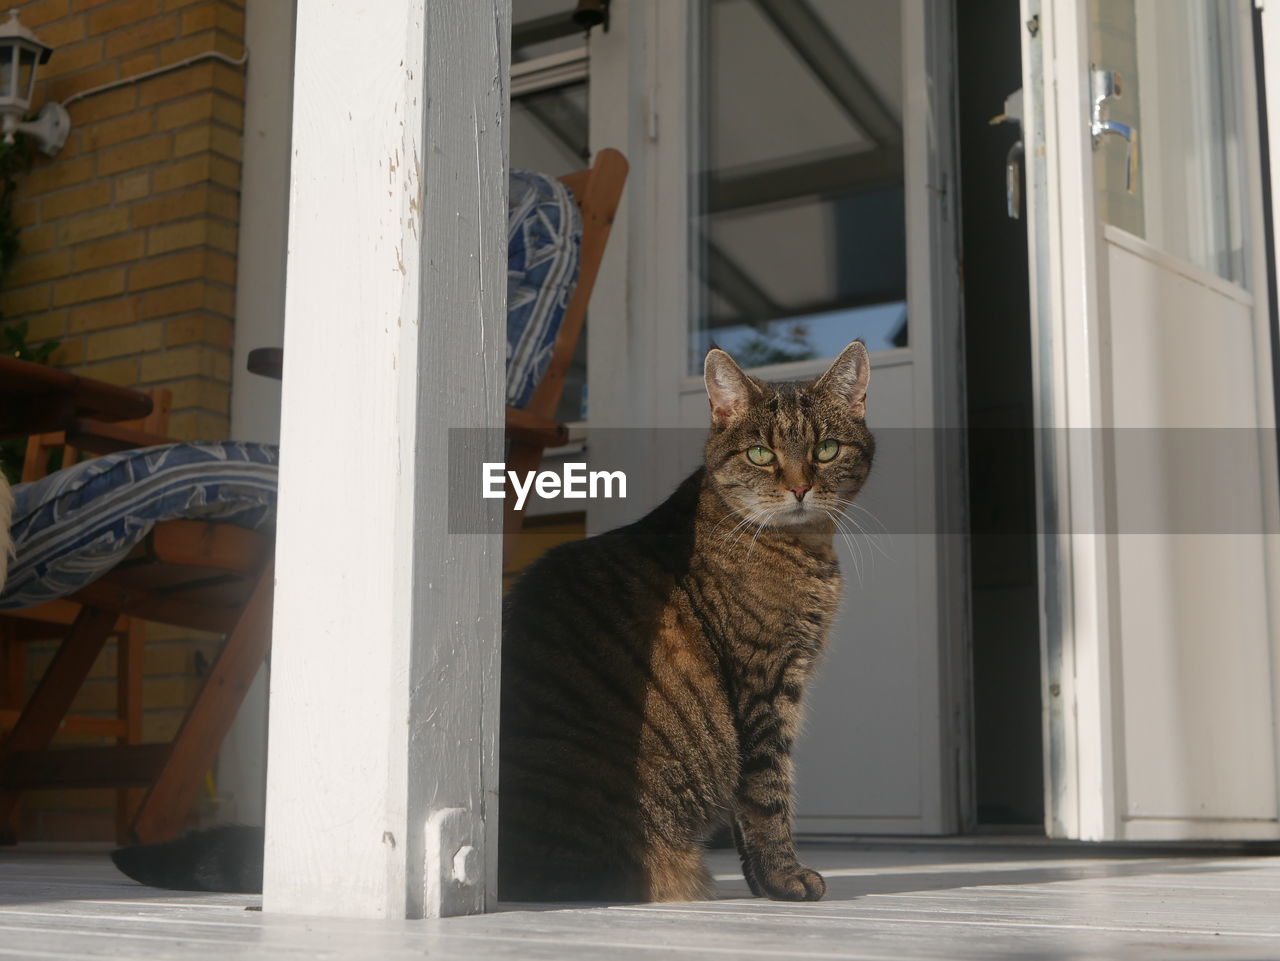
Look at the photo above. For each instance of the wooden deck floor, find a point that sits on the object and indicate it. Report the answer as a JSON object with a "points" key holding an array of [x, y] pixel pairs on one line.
{"points": [[897, 902]]}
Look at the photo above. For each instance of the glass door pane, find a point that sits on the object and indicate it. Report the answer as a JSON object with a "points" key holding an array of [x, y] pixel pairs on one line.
{"points": [[1177, 89], [549, 135], [798, 227], [542, 27], [549, 130]]}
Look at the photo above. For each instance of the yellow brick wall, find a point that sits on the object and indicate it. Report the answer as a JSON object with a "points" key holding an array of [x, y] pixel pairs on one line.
{"points": [[129, 234], [128, 258]]}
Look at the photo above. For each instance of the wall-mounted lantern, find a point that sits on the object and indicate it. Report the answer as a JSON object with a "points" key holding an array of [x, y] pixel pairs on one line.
{"points": [[21, 54]]}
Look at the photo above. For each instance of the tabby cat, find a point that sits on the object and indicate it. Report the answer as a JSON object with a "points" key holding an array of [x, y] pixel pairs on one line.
{"points": [[652, 676]]}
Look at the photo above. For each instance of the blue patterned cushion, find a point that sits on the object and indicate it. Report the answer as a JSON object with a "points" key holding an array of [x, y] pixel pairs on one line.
{"points": [[76, 524], [544, 231]]}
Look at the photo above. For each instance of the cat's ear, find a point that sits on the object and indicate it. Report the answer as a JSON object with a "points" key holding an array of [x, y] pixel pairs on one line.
{"points": [[729, 391], [847, 377]]}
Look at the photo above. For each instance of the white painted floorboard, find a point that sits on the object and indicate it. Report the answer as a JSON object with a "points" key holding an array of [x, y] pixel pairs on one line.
{"points": [[897, 902]]}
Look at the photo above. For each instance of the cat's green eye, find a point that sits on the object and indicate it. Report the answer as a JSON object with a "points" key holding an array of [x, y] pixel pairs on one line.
{"points": [[827, 450], [760, 456]]}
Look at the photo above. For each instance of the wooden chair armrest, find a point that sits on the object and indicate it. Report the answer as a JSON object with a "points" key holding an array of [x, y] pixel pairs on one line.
{"points": [[530, 428], [102, 438], [267, 362]]}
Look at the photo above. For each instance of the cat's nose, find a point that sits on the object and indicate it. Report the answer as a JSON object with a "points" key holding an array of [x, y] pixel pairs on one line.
{"points": [[800, 491]]}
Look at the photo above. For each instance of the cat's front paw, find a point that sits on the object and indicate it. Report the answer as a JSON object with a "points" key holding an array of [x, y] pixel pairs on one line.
{"points": [[792, 883]]}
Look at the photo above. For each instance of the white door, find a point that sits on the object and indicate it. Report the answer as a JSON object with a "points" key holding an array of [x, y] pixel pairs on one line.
{"points": [[1156, 468], [789, 192]]}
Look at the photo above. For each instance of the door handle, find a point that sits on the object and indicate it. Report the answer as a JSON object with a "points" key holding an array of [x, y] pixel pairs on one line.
{"points": [[1013, 181], [1107, 85], [1013, 159]]}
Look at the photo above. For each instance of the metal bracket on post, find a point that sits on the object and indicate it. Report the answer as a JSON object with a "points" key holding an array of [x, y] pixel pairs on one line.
{"points": [[454, 866]]}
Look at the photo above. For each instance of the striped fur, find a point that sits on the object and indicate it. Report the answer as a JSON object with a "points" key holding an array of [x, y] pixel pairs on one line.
{"points": [[653, 675]]}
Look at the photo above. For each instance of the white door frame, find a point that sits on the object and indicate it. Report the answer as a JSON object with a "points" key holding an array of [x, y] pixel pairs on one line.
{"points": [[932, 173], [1070, 645], [1268, 333], [260, 275], [1084, 766]]}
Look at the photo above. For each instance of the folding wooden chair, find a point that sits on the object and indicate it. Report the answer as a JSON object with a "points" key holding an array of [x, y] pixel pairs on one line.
{"points": [[202, 575], [533, 428], [217, 577], [51, 620]]}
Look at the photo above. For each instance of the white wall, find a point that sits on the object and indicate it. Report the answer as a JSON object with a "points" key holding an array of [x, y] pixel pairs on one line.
{"points": [[255, 400]]}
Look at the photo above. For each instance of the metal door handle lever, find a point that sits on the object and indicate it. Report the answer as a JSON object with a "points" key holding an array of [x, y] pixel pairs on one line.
{"points": [[1013, 159], [1107, 85], [1013, 181]]}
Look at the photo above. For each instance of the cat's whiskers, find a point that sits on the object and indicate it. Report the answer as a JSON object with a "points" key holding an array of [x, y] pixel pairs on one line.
{"points": [[754, 512], [759, 528], [761, 521], [850, 538], [768, 515], [855, 549], [873, 539], [753, 516], [733, 512]]}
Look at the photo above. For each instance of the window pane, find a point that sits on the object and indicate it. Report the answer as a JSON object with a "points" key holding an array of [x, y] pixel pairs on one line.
{"points": [[26, 73], [549, 131], [1178, 61], [798, 227], [6, 72], [549, 135], [540, 27]]}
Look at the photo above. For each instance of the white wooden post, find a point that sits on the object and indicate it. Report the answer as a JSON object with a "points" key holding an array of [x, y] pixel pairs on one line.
{"points": [[381, 790]]}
